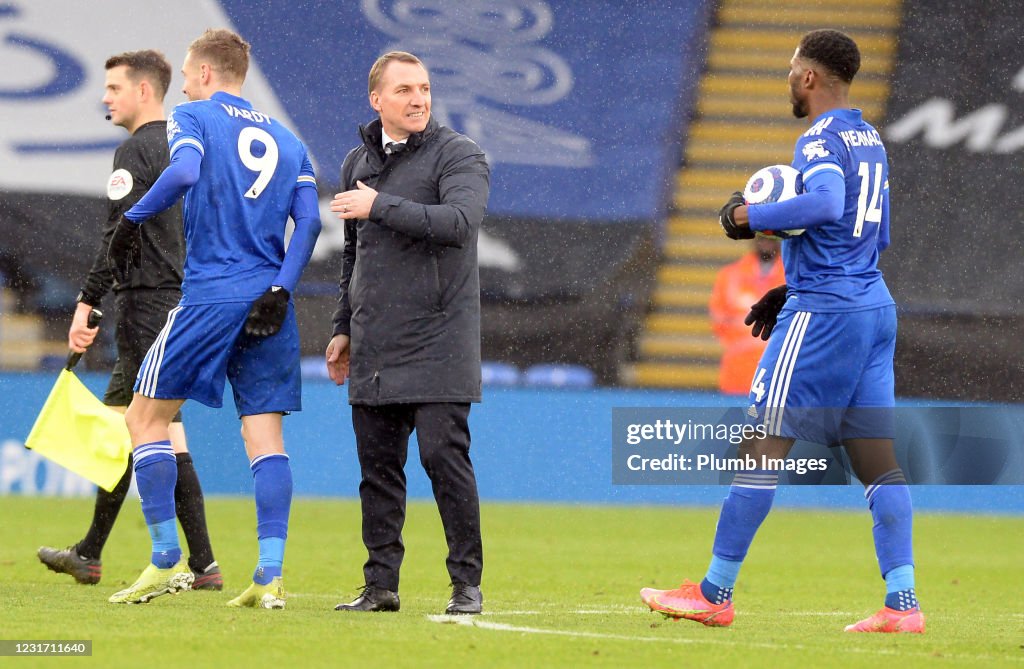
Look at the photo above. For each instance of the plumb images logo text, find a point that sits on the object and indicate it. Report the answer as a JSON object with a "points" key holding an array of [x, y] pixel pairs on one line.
{"points": [[708, 462], [701, 446], [662, 432]]}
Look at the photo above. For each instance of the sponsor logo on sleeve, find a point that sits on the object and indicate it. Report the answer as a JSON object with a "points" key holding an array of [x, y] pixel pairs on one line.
{"points": [[815, 149], [119, 184], [172, 127]]}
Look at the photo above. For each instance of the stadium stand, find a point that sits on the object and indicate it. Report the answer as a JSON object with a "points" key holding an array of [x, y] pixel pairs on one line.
{"points": [[743, 123], [601, 252]]}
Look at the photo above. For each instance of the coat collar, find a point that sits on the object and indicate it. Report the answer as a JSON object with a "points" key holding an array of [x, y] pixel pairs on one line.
{"points": [[371, 136]]}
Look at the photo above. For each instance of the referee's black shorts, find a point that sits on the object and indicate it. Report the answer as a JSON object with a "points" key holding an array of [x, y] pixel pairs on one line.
{"points": [[141, 314]]}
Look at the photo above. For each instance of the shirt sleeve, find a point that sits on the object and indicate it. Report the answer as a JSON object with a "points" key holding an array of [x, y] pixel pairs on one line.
{"points": [[463, 187], [341, 320], [305, 212], [184, 129], [819, 156], [177, 178], [821, 202], [883, 228]]}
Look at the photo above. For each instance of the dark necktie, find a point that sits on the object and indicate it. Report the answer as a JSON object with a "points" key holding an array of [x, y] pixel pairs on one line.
{"points": [[394, 148]]}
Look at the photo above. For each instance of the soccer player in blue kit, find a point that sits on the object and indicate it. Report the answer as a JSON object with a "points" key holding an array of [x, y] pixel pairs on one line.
{"points": [[827, 373], [242, 174]]}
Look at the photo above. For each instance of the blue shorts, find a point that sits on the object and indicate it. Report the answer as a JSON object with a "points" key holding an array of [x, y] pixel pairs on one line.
{"points": [[201, 345], [826, 377]]}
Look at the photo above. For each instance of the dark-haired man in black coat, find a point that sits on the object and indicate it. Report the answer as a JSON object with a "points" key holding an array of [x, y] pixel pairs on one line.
{"points": [[407, 328]]}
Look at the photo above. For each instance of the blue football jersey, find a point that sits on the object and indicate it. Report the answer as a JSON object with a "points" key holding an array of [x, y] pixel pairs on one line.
{"points": [[236, 213], [834, 267]]}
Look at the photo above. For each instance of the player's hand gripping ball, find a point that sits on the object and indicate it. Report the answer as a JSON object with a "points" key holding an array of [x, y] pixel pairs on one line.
{"points": [[775, 183]]}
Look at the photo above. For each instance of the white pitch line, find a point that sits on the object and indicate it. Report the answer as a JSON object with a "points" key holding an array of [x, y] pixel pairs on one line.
{"points": [[503, 627], [641, 610]]}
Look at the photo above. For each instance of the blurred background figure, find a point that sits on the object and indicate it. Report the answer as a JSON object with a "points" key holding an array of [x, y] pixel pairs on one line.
{"points": [[737, 286]]}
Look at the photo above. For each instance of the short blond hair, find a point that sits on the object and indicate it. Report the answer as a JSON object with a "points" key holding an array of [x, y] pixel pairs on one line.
{"points": [[377, 71], [225, 51]]}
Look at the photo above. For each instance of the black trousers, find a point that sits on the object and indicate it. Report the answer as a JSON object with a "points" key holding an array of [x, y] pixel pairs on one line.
{"points": [[382, 441]]}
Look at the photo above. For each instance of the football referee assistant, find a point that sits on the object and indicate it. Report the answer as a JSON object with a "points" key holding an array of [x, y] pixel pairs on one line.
{"points": [[136, 83], [407, 326]]}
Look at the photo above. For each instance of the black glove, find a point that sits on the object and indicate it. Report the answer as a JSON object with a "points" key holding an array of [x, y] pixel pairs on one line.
{"points": [[764, 314], [725, 217], [125, 251], [267, 313]]}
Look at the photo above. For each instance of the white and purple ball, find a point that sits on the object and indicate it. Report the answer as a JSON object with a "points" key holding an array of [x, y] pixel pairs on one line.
{"points": [[775, 183]]}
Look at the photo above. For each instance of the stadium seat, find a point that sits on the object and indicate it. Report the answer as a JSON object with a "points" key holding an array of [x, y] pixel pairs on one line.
{"points": [[499, 374], [313, 367], [559, 376]]}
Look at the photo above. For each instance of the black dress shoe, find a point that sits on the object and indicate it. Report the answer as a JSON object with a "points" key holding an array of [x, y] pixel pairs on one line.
{"points": [[466, 600], [372, 598]]}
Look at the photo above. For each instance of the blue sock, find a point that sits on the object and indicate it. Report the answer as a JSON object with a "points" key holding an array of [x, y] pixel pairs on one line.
{"points": [[156, 473], [889, 500], [272, 480], [745, 508]]}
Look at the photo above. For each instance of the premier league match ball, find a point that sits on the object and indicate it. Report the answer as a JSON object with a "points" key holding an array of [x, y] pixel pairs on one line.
{"points": [[774, 184]]}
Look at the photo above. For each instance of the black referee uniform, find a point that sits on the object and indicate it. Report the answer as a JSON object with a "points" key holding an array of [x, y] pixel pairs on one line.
{"points": [[142, 304], [154, 288]]}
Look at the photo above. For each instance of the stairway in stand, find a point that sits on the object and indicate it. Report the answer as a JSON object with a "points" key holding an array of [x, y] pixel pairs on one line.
{"points": [[743, 123]]}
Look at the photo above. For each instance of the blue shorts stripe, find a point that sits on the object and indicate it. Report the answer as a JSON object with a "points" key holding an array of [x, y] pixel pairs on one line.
{"points": [[801, 326], [777, 375], [783, 372], [150, 372]]}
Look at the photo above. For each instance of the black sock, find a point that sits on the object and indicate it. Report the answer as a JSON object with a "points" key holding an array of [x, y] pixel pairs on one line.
{"points": [[108, 505], [188, 501]]}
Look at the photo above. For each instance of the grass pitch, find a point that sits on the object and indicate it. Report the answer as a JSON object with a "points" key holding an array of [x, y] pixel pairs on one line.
{"points": [[561, 588]]}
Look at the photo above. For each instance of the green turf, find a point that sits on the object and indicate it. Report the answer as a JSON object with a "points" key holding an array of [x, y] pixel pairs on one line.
{"points": [[561, 587]]}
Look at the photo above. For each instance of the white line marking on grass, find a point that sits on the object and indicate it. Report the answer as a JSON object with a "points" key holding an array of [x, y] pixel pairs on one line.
{"points": [[469, 621], [503, 627], [815, 614], [612, 610]]}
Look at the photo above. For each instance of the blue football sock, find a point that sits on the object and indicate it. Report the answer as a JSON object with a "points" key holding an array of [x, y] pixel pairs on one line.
{"points": [[156, 473], [889, 500], [745, 508], [272, 480]]}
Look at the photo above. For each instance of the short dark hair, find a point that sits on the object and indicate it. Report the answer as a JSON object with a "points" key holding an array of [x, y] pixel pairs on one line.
{"points": [[377, 71], [834, 50], [146, 64], [225, 50]]}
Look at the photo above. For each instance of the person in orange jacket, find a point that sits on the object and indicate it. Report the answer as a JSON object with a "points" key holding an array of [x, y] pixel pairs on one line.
{"points": [[737, 286]]}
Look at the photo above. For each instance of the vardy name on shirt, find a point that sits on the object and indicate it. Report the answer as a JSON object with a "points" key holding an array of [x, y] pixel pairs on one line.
{"points": [[248, 114]]}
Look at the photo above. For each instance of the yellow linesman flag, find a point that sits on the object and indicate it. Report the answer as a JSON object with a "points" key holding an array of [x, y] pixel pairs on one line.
{"points": [[80, 433]]}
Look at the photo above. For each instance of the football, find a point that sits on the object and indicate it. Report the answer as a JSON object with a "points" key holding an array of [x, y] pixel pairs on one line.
{"points": [[774, 184]]}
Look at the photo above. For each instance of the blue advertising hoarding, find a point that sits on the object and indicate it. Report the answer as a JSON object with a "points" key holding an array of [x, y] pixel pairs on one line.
{"points": [[528, 445]]}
